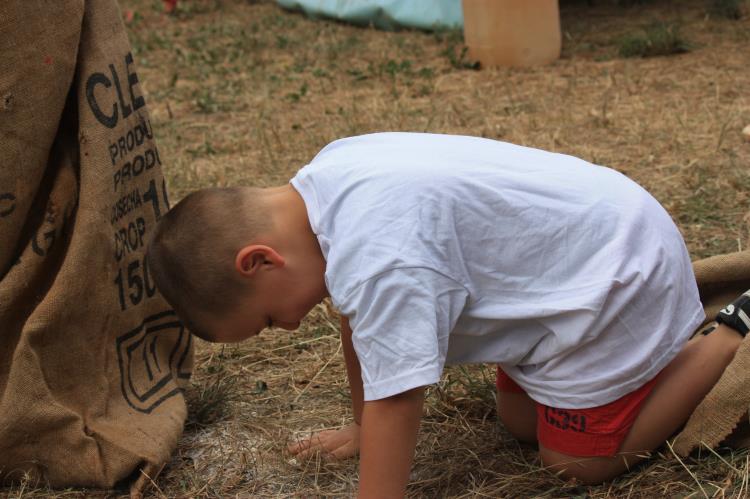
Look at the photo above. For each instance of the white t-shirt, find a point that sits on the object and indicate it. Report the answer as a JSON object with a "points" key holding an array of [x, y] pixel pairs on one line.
{"points": [[451, 249]]}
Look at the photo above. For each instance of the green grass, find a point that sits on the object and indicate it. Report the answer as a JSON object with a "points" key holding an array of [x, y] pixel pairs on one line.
{"points": [[731, 9], [209, 399], [656, 39], [455, 50]]}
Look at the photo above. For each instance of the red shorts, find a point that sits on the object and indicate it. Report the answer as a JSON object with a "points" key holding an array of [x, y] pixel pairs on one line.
{"points": [[597, 431]]}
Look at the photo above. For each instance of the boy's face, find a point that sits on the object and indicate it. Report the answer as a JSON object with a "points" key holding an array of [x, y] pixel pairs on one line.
{"points": [[280, 301]]}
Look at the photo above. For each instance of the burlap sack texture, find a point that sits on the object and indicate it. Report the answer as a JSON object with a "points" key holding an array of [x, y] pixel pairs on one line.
{"points": [[91, 357], [721, 279]]}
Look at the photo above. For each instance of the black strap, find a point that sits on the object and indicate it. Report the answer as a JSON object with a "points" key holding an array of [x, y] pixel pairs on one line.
{"points": [[737, 314]]}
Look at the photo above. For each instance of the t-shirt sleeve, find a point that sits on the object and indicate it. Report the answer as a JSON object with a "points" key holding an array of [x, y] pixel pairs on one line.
{"points": [[401, 320]]}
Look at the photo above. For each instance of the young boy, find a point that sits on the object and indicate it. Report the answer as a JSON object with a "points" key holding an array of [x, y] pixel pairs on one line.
{"points": [[449, 249]]}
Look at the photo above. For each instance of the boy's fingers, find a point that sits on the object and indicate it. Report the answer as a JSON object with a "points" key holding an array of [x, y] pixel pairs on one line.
{"points": [[312, 452], [309, 445], [303, 454], [329, 453], [298, 446], [343, 452], [331, 444], [307, 452]]}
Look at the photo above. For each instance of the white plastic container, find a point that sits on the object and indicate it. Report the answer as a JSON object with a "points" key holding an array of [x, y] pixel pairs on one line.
{"points": [[512, 32]]}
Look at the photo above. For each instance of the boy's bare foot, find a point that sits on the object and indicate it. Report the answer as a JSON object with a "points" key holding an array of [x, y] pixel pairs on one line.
{"points": [[331, 444]]}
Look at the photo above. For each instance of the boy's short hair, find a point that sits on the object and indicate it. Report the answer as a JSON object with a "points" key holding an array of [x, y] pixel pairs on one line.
{"points": [[192, 252]]}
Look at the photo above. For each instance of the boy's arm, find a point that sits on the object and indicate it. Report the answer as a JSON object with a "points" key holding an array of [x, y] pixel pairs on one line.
{"points": [[388, 438], [388, 433], [344, 442], [353, 372]]}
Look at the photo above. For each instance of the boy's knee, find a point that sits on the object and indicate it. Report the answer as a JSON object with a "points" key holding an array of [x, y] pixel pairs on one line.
{"points": [[585, 470]]}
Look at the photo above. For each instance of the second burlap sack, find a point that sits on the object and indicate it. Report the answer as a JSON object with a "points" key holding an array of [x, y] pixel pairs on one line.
{"points": [[721, 279]]}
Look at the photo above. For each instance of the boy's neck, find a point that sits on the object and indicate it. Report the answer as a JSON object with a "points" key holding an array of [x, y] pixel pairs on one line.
{"points": [[289, 212], [291, 223]]}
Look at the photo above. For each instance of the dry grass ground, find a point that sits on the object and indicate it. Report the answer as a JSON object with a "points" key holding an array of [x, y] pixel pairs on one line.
{"points": [[244, 93]]}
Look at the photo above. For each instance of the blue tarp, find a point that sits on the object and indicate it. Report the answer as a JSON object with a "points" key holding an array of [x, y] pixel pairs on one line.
{"points": [[385, 14]]}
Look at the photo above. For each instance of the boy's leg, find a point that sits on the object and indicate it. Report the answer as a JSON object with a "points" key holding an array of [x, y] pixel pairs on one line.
{"points": [[518, 413], [515, 409], [678, 390]]}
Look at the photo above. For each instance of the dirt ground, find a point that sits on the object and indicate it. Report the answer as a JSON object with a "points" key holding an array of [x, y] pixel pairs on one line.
{"points": [[245, 93]]}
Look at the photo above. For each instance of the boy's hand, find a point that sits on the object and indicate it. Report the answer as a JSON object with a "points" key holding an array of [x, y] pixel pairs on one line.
{"points": [[332, 444]]}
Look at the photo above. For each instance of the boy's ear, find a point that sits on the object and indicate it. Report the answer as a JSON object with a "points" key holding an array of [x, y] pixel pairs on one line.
{"points": [[251, 259]]}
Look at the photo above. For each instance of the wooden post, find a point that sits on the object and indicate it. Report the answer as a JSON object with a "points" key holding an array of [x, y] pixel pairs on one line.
{"points": [[512, 32]]}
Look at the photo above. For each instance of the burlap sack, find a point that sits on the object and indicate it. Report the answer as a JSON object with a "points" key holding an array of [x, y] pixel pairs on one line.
{"points": [[720, 280], [90, 354]]}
